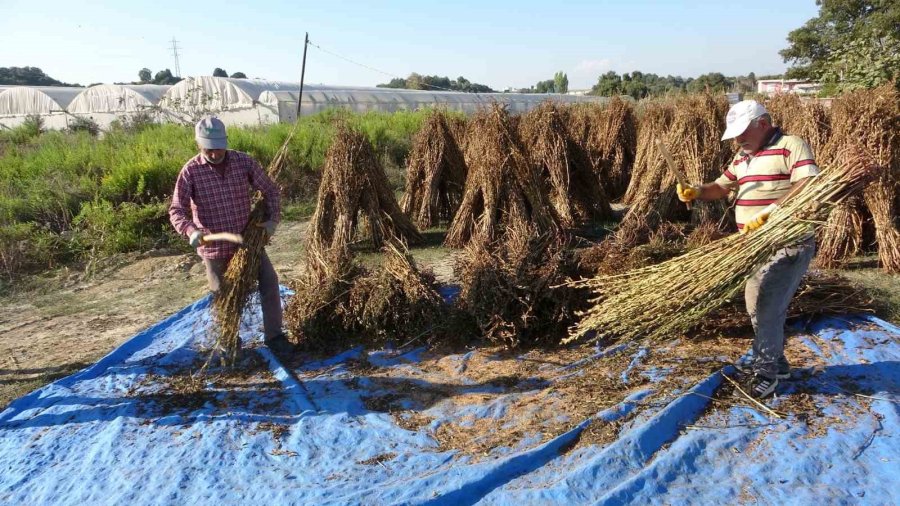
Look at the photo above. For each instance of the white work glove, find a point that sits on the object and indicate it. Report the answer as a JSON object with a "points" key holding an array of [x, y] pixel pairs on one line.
{"points": [[196, 238], [687, 194], [759, 219], [269, 226]]}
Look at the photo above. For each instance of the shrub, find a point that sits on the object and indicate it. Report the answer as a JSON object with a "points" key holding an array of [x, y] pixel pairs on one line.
{"points": [[27, 247], [103, 228], [82, 124]]}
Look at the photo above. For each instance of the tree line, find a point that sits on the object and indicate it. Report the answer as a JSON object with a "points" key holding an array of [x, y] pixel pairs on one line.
{"points": [[417, 81], [34, 76]]}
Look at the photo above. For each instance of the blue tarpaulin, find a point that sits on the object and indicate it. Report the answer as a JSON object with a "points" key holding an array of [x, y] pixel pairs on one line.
{"points": [[132, 430]]}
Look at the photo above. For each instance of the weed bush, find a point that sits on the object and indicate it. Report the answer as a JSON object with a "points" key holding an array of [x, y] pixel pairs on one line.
{"points": [[28, 247], [103, 228]]}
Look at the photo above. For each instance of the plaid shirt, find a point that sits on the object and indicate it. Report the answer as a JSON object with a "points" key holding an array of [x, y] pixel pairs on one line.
{"points": [[215, 198]]}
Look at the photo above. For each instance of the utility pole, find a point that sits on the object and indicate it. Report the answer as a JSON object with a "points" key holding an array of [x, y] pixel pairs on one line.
{"points": [[175, 54], [302, 75]]}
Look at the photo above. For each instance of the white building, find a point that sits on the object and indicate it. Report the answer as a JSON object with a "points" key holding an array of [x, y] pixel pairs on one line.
{"points": [[798, 86]]}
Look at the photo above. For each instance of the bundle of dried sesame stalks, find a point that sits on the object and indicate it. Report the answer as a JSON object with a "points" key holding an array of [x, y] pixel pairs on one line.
{"points": [[672, 297]]}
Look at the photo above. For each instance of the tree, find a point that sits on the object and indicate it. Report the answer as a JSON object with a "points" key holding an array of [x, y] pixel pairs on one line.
{"points": [[560, 82], [145, 75], [853, 42], [609, 84], [861, 64], [545, 86], [239, 75], [417, 81], [714, 81], [219, 73], [165, 77], [397, 82], [28, 76]]}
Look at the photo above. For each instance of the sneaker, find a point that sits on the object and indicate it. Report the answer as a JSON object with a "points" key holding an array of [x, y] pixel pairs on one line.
{"points": [[746, 368], [758, 387], [784, 371]]}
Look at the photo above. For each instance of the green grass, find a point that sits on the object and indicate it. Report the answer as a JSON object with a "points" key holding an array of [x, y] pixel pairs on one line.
{"points": [[883, 287], [68, 196]]}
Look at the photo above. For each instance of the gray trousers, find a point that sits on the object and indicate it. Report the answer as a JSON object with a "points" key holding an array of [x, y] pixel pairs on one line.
{"points": [[768, 294], [270, 298]]}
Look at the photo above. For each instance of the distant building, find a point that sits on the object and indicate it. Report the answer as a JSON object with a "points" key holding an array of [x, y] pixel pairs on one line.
{"points": [[578, 92], [798, 86]]}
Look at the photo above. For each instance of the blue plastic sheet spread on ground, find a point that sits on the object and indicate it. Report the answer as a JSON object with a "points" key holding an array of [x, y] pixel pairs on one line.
{"points": [[129, 430]]}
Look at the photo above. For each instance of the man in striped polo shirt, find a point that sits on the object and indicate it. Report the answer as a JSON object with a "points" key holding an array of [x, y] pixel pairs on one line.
{"points": [[768, 166]]}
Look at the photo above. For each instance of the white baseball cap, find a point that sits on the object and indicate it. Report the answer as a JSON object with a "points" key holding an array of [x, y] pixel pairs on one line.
{"points": [[210, 133], [739, 117]]}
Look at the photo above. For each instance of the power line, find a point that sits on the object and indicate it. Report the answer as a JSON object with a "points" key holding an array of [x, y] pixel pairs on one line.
{"points": [[175, 49], [363, 65]]}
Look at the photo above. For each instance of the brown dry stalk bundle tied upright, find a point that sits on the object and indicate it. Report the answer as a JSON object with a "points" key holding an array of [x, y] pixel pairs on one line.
{"points": [[240, 278], [354, 188], [574, 190], [672, 297], [435, 174], [872, 118], [608, 135], [339, 303], [654, 119], [881, 199], [398, 301], [503, 187], [693, 138], [458, 126], [842, 236], [315, 315], [513, 289], [806, 119]]}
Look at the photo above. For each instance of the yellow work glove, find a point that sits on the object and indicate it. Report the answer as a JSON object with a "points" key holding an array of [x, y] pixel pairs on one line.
{"points": [[759, 219], [687, 194]]}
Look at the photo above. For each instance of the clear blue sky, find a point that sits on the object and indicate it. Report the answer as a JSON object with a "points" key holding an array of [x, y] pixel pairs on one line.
{"points": [[500, 43]]}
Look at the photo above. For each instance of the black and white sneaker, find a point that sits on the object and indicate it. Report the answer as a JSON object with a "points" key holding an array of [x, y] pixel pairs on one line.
{"points": [[784, 371], [758, 387], [746, 368]]}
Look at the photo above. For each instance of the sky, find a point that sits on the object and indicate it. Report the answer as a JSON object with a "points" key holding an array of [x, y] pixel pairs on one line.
{"points": [[500, 43]]}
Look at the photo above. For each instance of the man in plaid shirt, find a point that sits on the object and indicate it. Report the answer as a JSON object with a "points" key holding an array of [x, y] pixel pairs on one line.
{"points": [[212, 194]]}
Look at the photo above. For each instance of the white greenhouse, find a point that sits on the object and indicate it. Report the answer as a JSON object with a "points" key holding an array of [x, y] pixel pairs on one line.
{"points": [[244, 102], [105, 103], [48, 102], [234, 101], [317, 98]]}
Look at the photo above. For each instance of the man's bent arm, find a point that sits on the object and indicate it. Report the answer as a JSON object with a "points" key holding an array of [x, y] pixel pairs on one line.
{"points": [[713, 191]]}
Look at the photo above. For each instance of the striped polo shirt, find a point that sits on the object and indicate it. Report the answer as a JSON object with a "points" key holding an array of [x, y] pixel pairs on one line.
{"points": [[767, 175]]}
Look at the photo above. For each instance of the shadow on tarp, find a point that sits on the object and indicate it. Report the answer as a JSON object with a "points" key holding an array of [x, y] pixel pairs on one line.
{"points": [[154, 397]]}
